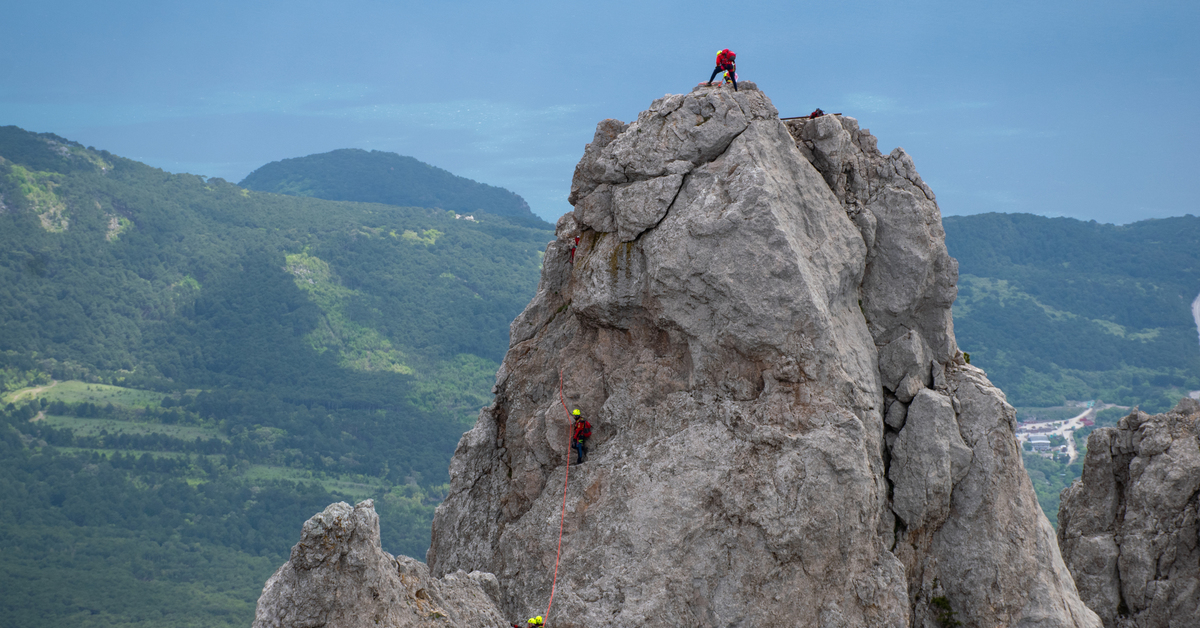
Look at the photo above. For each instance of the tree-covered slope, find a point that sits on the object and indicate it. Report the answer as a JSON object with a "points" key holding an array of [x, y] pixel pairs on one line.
{"points": [[1057, 308], [352, 174], [211, 365], [114, 265]]}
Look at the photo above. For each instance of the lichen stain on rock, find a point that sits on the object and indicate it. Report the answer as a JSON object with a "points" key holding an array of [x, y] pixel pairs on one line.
{"points": [[621, 250]]}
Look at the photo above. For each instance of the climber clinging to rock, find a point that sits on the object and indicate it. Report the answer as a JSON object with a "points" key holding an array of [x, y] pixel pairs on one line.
{"points": [[727, 62], [579, 435]]}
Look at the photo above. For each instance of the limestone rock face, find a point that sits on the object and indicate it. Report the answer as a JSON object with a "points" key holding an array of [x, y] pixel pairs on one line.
{"points": [[970, 529], [745, 309], [338, 577], [1129, 527]]}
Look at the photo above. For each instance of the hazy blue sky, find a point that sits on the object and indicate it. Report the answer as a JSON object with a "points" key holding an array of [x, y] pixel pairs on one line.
{"points": [[1082, 108]]}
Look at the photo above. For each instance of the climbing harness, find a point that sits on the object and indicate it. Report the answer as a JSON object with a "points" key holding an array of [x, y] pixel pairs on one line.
{"points": [[563, 516]]}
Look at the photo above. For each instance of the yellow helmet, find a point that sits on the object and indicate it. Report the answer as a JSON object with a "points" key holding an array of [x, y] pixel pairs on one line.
{"points": [[575, 412]]}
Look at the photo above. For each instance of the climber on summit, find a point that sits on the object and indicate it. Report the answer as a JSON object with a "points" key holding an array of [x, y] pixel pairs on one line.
{"points": [[582, 432], [727, 61]]}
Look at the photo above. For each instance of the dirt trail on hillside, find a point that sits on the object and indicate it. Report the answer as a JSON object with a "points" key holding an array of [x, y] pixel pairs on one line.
{"points": [[31, 392]]}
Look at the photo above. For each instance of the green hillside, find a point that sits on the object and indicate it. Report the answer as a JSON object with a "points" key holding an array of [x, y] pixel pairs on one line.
{"points": [[352, 174], [1057, 309], [191, 369]]}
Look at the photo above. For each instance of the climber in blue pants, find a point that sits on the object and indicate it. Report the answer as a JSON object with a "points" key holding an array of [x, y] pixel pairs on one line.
{"points": [[727, 62], [582, 431]]}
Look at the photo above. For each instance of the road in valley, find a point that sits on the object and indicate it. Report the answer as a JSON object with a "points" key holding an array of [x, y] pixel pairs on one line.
{"points": [[1066, 429]]}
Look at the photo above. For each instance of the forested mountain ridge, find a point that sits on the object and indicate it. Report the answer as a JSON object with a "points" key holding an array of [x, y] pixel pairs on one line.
{"points": [[114, 265], [352, 174], [1057, 308], [215, 360]]}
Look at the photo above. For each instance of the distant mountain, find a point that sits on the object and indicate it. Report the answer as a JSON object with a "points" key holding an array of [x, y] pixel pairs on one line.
{"points": [[204, 365], [352, 174], [1057, 308]]}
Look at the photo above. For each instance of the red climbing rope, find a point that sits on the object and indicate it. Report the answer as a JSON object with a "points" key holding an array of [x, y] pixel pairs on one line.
{"points": [[563, 517]]}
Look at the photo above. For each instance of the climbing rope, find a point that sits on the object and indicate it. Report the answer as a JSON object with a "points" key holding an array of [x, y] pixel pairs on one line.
{"points": [[563, 516]]}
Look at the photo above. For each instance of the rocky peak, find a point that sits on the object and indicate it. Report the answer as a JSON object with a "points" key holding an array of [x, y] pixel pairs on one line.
{"points": [[901, 225], [339, 577], [757, 322], [1130, 526]]}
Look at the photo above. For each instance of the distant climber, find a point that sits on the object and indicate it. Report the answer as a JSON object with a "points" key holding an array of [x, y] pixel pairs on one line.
{"points": [[582, 432], [726, 61], [573, 247], [536, 621], [817, 113]]}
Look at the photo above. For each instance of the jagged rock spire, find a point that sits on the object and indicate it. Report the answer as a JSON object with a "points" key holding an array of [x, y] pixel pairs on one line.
{"points": [[1130, 527], [747, 304], [339, 577]]}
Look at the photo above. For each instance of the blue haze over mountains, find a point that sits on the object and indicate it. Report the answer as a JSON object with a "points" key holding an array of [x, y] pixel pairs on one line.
{"points": [[378, 177], [1075, 108]]}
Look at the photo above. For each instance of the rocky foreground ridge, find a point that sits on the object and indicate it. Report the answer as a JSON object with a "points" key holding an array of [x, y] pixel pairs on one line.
{"points": [[339, 577], [757, 323], [1130, 527]]}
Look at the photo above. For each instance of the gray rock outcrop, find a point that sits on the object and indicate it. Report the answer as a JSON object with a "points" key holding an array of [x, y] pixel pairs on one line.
{"points": [[757, 322], [1129, 528], [970, 531], [339, 577]]}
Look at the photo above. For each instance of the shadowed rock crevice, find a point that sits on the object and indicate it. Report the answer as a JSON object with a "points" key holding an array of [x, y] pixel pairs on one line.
{"points": [[757, 322]]}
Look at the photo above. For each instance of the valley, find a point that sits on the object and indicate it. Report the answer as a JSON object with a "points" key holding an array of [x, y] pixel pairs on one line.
{"points": [[219, 366], [181, 391]]}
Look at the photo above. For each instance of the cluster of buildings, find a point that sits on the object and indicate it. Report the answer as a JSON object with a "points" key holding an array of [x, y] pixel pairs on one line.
{"points": [[1038, 434], [1041, 443]]}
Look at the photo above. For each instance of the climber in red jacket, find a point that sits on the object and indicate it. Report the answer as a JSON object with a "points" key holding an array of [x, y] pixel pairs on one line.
{"points": [[583, 431], [726, 61]]}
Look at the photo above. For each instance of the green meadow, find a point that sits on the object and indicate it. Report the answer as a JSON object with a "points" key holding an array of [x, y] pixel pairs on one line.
{"points": [[81, 392], [94, 427]]}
